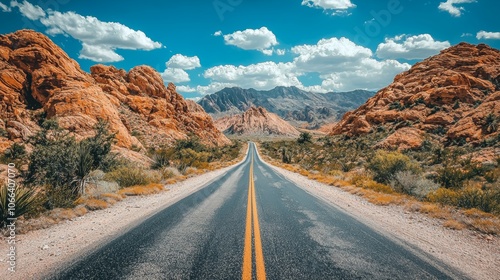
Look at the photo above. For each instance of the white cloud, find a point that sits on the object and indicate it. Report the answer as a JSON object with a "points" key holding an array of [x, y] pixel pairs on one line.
{"points": [[263, 75], [175, 75], [183, 62], [330, 55], [371, 74], [488, 35], [280, 52], [338, 7], [99, 54], [451, 6], [186, 89], [252, 39], [99, 39], [29, 10], [413, 47], [4, 7], [217, 33], [341, 64]]}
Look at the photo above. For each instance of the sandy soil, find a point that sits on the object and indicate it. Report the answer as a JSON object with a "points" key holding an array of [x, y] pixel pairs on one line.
{"points": [[41, 251]]}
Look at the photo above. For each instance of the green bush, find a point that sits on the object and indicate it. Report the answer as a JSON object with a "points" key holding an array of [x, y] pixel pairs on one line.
{"points": [[23, 198], [304, 137], [61, 162], [385, 165], [127, 176]]}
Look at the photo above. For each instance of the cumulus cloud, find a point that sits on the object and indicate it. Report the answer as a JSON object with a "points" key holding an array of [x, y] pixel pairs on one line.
{"points": [[183, 62], [252, 39], [99, 54], [488, 35], [218, 33], [412, 47], [175, 75], [28, 10], [263, 75], [336, 6], [330, 55], [99, 39], [341, 64], [451, 6]]}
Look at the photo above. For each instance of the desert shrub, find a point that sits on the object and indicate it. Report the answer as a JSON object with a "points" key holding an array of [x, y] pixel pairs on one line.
{"points": [[469, 198], [16, 151], [409, 183], [363, 181], [23, 198], [443, 196], [304, 137], [128, 176], [484, 200], [161, 158], [60, 161], [385, 165], [490, 123], [169, 172], [492, 175], [285, 156]]}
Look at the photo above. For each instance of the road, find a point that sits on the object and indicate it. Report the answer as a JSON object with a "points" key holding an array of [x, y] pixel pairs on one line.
{"points": [[252, 223]]}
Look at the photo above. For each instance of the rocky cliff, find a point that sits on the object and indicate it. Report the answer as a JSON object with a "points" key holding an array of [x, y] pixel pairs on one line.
{"points": [[38, 79], [256, 122], [454, 95], [299, 107]]}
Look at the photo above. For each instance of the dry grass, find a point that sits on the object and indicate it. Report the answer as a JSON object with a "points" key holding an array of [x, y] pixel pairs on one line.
{"points": [[436, 211], [141, 190], [114, 196], [488, 226], [476, 213], [96, 204], [454, 224]]}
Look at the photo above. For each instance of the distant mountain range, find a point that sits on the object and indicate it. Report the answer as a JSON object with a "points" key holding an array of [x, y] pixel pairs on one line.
{"points": [[297, 106], [256, 122]]}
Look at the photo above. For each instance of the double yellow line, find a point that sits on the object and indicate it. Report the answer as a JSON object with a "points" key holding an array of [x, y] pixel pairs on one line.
{"points": [[252, 218]]}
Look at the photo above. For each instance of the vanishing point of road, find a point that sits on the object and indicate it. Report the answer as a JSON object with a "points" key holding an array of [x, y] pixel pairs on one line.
{"points": [[252, 223]]}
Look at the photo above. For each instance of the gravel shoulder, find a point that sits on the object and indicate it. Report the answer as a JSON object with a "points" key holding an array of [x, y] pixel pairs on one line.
{"points": [[474, 254]]}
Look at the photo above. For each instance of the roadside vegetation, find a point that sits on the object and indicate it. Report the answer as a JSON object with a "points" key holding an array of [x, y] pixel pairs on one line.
{"points": [[62, 178], [442, 181]]}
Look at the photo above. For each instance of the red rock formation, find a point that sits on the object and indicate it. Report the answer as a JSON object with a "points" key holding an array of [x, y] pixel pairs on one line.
{"points": [[452, 92], [256, 122], [37, 77]]}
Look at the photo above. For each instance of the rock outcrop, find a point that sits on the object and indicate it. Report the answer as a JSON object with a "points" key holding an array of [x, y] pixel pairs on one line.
{"points": [[256, 122], [37, 78], [455, 94]]}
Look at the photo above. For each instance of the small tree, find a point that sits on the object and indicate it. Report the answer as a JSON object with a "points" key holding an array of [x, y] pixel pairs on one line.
{"points": [[304, 137]]}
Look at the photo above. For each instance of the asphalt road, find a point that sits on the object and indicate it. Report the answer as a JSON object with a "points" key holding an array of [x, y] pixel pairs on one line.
{"points": [[252, 223]]}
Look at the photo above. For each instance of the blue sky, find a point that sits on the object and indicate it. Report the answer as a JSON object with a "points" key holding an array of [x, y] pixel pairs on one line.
{"points": [[206, 45]]}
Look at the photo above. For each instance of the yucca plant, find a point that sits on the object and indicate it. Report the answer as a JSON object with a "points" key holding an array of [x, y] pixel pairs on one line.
{"points": [[84, 164], [24, 200]]}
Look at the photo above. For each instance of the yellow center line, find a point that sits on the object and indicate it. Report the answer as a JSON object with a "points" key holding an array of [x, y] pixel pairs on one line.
{"points": [[247, 252]]}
